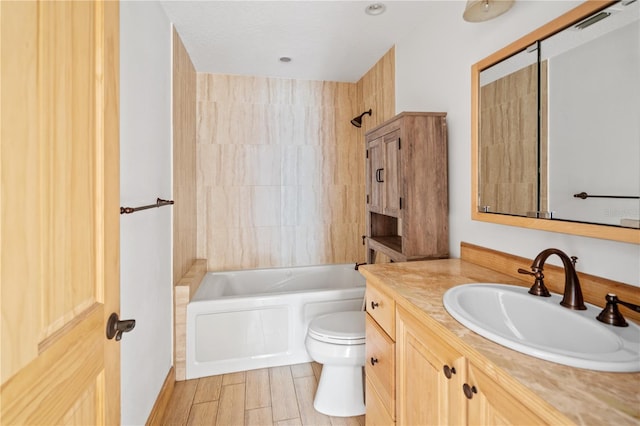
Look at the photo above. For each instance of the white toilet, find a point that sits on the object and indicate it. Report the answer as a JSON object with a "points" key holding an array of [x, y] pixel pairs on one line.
{"points": [[336, 341]]}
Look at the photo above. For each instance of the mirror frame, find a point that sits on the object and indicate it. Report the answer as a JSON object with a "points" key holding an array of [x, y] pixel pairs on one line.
{"points": [[608, 232]]}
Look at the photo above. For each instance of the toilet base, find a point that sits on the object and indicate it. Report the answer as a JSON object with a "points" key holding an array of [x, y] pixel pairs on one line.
{"points": [[340, 391]]}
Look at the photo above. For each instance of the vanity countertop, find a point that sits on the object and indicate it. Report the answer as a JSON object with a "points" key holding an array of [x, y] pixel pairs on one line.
{"points": [[586, 397]]}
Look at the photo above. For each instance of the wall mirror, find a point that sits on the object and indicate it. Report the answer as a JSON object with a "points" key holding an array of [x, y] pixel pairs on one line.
{"points": [[556, 128]]}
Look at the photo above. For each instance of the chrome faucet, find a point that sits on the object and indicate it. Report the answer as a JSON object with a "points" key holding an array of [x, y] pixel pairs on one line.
{"points": [[572, 292]]}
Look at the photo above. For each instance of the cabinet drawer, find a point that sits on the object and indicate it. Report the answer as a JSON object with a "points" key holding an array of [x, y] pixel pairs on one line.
{"points": [[377, 415], [380, 364], [383, 309]]}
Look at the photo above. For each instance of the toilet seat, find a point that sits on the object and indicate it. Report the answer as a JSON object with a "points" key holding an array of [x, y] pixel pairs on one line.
{"points": [[341, 328]]}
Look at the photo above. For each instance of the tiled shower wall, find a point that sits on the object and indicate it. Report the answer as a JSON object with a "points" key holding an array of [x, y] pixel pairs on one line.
{"points": [[280, 172], [280, 169]]}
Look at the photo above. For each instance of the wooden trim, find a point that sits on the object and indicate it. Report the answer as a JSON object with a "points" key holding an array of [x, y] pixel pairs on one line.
{"points": [[594, 288], [547, 30], [162, 402], [627, 235], [183, 293], [110, 250], [184, 113]]}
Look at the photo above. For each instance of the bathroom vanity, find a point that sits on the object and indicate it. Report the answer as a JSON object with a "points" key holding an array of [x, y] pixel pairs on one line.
{"points": [[423, 367]]}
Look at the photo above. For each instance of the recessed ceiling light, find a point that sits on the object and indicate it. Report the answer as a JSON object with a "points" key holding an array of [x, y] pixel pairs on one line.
{"points": [[285, 59], [375, 9]]}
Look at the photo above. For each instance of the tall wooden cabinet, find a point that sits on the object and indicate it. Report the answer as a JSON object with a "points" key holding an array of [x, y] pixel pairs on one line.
{"points": [[406, 186]]}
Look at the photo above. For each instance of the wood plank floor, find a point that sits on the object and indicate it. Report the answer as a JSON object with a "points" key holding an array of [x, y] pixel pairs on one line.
{"points": [[271, 396]]}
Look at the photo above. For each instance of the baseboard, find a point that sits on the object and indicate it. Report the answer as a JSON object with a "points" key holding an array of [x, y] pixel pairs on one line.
{"points": [[160, 406]]}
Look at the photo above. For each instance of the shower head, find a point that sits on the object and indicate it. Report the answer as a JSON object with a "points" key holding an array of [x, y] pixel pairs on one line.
{"points": [[358, 120]]}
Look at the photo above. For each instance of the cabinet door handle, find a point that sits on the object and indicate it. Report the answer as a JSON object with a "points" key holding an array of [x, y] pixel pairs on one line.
{"points": [[379, 175], [374, 305], [448, 371], [469, 390], [374, 361]]}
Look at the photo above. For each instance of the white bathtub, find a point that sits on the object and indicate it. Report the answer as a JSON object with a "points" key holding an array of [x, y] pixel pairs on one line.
{"points": [[243, 320]]}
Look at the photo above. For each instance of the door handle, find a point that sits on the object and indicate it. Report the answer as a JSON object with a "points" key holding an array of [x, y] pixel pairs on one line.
{"points": [[115, 327], [379, 175]]}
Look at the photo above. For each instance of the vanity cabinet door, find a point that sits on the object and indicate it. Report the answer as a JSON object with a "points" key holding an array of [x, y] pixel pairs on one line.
{"points": [[391, 174], [492, 404], [377, 414], [383, 174], [430, 375], [375, 171], [380, 365]]}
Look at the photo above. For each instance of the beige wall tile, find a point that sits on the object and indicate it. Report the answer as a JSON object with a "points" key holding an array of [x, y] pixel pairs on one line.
{"points": [[295, 138]]}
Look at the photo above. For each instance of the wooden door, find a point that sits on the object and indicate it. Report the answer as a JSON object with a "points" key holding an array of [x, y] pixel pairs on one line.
{"points": [[375, 170], [60, 220], [425, 395], [492, 404], [380, 365], [391, 148]]}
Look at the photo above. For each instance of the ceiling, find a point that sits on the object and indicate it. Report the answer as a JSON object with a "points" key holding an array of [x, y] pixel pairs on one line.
{"points": [[326, 40]]}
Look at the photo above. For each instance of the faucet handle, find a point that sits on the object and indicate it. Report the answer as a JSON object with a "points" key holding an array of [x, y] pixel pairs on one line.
{"points": [[574, 260], [611, 314], [535, 272], [538, 288]]}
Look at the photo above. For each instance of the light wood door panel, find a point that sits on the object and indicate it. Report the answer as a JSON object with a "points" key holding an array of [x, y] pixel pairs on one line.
{"points": [[374, 171], [391, 175], [494, 405], [377, 414], [425, 395], [380, 364], [59, 201]]}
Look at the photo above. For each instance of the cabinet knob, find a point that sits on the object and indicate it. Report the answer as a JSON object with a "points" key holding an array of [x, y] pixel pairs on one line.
{"points": [[449, 371], [374, 361], [374, 305], [469, 390]]}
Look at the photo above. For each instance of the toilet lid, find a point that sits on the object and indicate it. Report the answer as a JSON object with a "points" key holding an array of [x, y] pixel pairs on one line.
{"points": [[345, 328]]}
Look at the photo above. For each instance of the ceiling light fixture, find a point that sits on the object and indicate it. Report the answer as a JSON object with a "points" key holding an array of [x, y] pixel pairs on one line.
{"points": [[375, 9], [285, 59], [483, 10]]}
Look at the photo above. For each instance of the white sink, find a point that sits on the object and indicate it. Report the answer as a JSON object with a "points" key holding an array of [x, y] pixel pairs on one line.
{"points": [[540, 327]]}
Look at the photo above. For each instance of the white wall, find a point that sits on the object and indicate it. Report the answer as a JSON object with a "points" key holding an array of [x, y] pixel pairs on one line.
{"points": [[145, 174], [433, 73]]}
